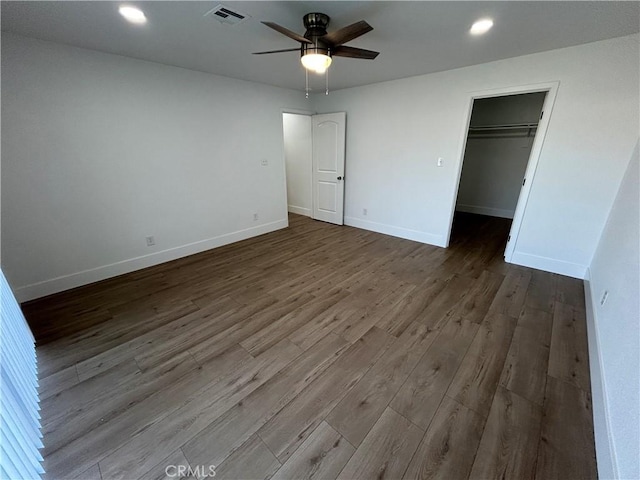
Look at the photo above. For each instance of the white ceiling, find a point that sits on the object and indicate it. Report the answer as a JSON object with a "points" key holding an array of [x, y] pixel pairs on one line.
{"points": [[413, 37]]}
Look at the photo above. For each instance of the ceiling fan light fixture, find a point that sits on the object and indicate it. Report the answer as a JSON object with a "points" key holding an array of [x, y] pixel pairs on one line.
{"points": [[481, 26], [133, 14], [317, 62]]}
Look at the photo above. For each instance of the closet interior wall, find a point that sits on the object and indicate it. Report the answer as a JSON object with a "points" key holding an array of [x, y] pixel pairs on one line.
{"points": [[498, 147]]}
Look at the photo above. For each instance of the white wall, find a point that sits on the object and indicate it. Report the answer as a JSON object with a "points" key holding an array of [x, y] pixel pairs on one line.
{"points": [[297, 153], [614, 330], [100, 151], [396, 131], [495, 161]]}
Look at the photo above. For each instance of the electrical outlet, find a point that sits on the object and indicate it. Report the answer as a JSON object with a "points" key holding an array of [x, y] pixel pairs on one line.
{"points": [[264, 162], [605, 295], [150, 241], [255, 217], [364, 211], [440, 161]]}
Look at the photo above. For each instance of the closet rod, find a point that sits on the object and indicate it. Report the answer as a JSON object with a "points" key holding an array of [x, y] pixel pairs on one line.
{"points": [[511, 126]]}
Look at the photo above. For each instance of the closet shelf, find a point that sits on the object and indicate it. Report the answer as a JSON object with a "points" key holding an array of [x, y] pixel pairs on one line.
{"points": [[512, 129]]}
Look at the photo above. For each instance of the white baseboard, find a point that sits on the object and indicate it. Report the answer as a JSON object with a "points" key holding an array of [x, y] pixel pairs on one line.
{"points": [[394, 231], [489, 211], [605, 455], [300, 210], [65, 282], [549, 265]]}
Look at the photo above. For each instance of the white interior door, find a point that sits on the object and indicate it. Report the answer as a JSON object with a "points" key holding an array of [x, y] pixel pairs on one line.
{"points": [[328, 132]]}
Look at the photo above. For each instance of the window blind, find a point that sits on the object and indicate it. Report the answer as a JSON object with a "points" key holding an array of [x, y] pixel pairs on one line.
{"points": [[20, 437]]}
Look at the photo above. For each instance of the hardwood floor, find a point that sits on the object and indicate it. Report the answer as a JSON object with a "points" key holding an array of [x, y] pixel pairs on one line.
{"points": [[321, 352]]}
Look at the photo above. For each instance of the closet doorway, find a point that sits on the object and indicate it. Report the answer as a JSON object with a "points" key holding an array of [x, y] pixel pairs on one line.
{"points": [[503, 141]]}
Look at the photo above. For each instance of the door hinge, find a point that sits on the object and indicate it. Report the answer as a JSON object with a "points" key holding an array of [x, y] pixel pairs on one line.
{"points": [[508, 238], [541, 114], [524, 180]]}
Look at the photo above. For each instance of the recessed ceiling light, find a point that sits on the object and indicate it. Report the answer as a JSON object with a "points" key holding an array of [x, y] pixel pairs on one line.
{"points": [[133, 14], [481, 26]]}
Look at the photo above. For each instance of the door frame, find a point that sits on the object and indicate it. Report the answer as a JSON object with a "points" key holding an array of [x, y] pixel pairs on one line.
{"points": [[552, 90], [295, 111]]}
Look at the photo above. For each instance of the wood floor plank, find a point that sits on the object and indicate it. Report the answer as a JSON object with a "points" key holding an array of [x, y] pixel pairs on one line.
{"points": [[407, 308], [81, 393], [371, 288], [344, 259], [566, 448], [89, 342], [512, 293], [288, 429], [449, 446], [227, 433], [98, 321], [508, 447], [78, 419], [92, 473], [418, 264], [321, 456], [58, 382], [421, 394], [282, 327], [252, 461], [570, 291], [541, 294], [446, 302], [386, 450], [79, 453], [363, 320], [69, 319], [158, 439], [175, 466], [176, 337], [525, 369], [249, 320], [156, 346], [569, 354], [247, 292], [456, 335], [476, 259], [477, 301], [310, 333], [477, 378], [359, 410], [234, 281], [300, 283]]}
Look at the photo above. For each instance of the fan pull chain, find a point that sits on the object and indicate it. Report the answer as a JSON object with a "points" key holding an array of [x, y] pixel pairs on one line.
{"points": [[306, 88], [326, 82]]}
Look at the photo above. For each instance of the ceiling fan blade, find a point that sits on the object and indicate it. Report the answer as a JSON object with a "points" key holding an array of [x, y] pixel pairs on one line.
{"points": [[352, 52], [348, 33], [278, 51], [287, 32]]}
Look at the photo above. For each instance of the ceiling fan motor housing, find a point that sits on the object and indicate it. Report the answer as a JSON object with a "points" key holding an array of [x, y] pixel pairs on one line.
{"points": [[316, 25]]}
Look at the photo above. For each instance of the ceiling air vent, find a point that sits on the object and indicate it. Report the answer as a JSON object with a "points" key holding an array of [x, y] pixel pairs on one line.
{"points": [[226, 15]]}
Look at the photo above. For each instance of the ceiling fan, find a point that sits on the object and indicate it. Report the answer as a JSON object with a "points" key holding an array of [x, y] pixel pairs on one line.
{"points": [[317, 46]]}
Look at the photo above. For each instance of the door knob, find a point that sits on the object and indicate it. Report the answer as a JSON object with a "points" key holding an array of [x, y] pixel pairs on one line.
{"points": [[339, 178]]}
